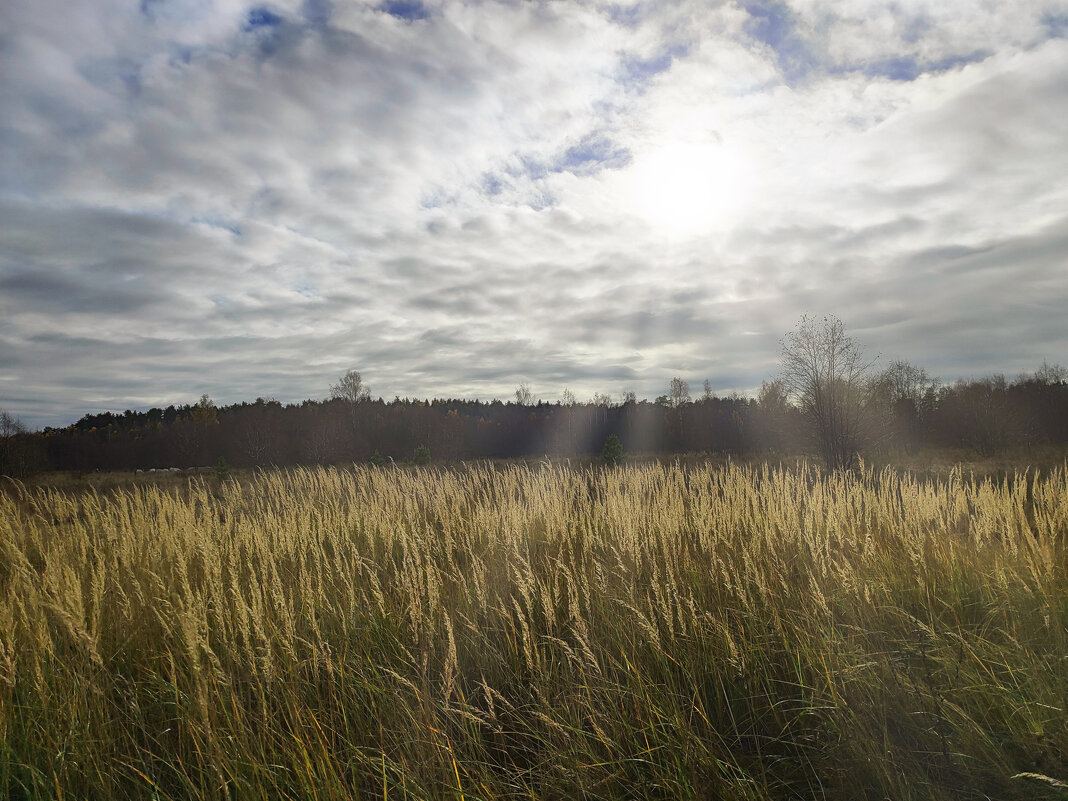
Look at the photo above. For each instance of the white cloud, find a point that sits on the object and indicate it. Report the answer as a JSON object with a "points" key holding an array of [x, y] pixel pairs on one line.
{"points": [[570, 194]]}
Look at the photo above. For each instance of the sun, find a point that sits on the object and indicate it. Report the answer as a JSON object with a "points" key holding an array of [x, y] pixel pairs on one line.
{"points": [[684, 189]]}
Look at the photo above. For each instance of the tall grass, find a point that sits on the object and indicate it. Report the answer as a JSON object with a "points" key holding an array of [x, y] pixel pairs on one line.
{"points": [[523, 632]]}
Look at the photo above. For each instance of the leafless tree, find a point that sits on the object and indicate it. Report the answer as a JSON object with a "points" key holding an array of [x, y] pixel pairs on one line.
{"points": [[523, 394], [902, 382], [14, 457], [825, 372], [602, 400], [1051, 373], [10, 425], [352, 391], [679, 393], [350, 388], [903, 395], [567, 400]]}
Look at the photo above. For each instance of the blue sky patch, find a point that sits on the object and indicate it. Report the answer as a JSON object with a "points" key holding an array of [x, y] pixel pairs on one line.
{"points": [[111, 73], [1056, 25], [491, 184], [433, 200], [180, 54], [773, 23], [544, 199], [269, 30], [261, 17], [132, 81], [409, 10], [627, 16], [317, 12], [959, 60], [218, 222], [307, 290], [591, 155], [148, 7], [530, 167], [915, 29], [907, 68], [903, 68], [641, 70]]}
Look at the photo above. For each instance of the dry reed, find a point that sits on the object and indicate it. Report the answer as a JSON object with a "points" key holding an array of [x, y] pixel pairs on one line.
{"points": [[538, 632]]}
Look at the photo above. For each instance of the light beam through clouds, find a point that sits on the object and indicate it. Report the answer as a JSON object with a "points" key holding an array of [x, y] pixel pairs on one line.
{"points": [[247, 199]]}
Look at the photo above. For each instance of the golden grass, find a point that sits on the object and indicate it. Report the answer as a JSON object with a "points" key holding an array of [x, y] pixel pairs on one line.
{"points": [[537, 632]]}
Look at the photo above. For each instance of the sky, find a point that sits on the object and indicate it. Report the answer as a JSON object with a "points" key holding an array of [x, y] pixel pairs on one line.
{"points": [[248, 199]]}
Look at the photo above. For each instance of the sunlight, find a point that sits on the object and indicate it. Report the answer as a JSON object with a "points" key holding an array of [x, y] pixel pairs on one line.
{"points": [[685, 189]]}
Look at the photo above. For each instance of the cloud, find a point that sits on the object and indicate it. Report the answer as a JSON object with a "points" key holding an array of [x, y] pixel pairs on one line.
{"points": [[247, 199]]}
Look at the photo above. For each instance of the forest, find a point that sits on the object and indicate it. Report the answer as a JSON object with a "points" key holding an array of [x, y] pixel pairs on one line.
{"points": [[907, 411]]}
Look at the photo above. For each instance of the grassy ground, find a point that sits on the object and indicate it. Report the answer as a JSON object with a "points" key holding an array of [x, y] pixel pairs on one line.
{"points": [[927, 463], [655, 631]]}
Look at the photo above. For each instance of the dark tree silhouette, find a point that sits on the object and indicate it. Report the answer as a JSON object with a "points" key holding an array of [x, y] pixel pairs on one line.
{"points": [[612, 453], [825, 373]]}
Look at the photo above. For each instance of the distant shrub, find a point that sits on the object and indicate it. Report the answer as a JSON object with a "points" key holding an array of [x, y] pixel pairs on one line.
{"points": [[612, 454], [422, 455], [377, 459]]}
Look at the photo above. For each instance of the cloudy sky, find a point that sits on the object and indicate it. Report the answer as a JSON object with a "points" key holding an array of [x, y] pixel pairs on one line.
{"points": [[454, 197]]}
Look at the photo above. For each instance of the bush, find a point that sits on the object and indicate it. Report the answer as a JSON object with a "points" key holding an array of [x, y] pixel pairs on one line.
{"points": [[222, 469], [377, 459], [612, 454], [422, 455]]}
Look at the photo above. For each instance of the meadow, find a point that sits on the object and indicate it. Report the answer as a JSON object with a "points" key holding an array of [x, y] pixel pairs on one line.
{"points": [[537, 631]]}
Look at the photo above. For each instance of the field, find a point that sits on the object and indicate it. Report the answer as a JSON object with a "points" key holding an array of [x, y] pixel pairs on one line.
{"points": [[483, 632]]}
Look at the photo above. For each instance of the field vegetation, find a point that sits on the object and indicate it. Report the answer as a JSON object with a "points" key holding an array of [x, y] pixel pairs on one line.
{"points": [[546, 632]]}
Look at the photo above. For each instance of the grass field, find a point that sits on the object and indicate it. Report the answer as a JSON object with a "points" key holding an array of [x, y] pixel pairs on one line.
{"points": [[484, 632]]}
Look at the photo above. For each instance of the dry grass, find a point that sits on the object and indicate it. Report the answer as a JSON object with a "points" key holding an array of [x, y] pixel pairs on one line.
{"points": [[524, 632]]}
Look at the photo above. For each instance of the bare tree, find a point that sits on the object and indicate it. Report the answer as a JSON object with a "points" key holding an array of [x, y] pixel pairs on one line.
{"points": [[567, 400], [602, 400], [679, 393], [628, 397], [14, 454], [10, 425], [350, 388], [903, 395], [352, 391], [1051, 374], [523, 394], [708, 390], [902, 382], [824, 371]]}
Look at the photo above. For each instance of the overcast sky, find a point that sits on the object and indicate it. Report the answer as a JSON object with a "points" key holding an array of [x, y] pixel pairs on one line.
{"points": [[248, 199]]}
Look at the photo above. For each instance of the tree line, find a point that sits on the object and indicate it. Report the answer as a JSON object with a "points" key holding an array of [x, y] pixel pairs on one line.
{"points": [[828, 399]]}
